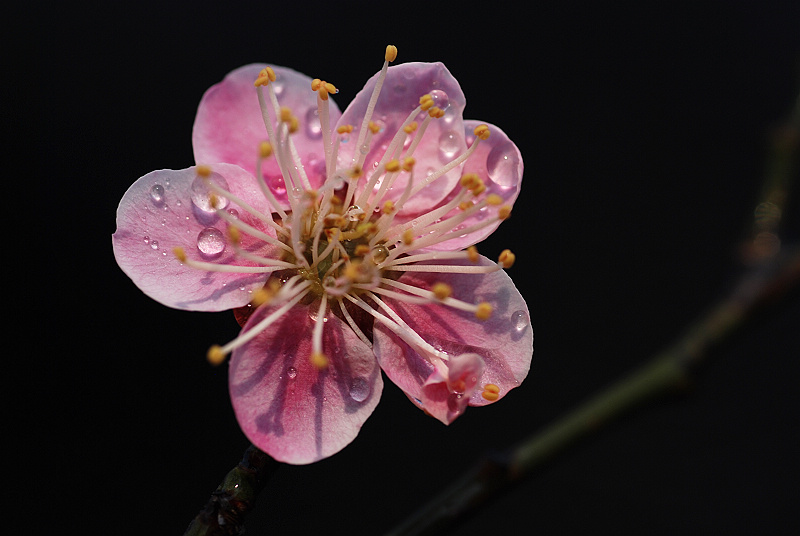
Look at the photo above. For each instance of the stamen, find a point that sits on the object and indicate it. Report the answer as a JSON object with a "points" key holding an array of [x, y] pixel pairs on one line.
{"points": [[318, 359], [391, 55], [180, 254], [491, 392]]}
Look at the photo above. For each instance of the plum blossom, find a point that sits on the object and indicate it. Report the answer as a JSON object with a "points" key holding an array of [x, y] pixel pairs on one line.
{"points": [[344, 242]]}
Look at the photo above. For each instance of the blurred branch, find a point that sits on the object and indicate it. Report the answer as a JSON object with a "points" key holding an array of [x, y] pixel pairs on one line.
{"points": [[771, 275]]}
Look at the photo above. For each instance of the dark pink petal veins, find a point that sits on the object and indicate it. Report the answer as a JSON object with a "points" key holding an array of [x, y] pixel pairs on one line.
{"points": [[229, 125], [504, 341], [286, 406], [167, 209]]}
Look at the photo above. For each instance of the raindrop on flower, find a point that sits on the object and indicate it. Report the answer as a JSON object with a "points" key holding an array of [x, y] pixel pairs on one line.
{"points": [[154, 244], [440, 99], [448, 145], [359, 389], [291, 372], [201, 194], [210, 242], [502, 165], [157, 194], [519, 320], [313, 126]]}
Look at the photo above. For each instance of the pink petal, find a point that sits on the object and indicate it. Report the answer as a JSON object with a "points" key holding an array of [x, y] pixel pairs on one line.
{"points": [[498, 162], [443, 139], [504, 341], [447, 398], [229, 125], [288, 408], [158, 213]]}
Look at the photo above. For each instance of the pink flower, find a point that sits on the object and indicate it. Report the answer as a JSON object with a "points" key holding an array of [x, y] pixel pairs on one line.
{"points": [[344, 235]]}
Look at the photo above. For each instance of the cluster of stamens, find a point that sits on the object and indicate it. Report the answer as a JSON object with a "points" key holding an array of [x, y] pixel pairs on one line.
{"points": [[340, 249]]}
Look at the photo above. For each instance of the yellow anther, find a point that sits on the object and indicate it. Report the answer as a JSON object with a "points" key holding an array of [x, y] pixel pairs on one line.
{"points": [[392, 166], [426, 102], [319, 360], [315, 84], [294, 124], [479, 188], [391, 53], [286, 114], [441, 290], [436, 112], [507, 258], [374, 127], [408, 237], [491, 392], [353, 271], [203, 170], [179, 253], [470, 180], [215, 355], [484, 311], [344, 129], [408, 163], [388, 207], [361, 250], [410, 128], [234, 235], [265, 76], [213, 200], [504, 212], [336, 201], [264, 149], [494, 199], [482, 132], [323, 88], [466, 205], [472, 254], [260, 297]]}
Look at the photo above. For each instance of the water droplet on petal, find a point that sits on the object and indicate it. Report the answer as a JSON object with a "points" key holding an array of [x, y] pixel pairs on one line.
{"points": [[440, 99], [313, 126], [291, 372], [201, 194], [146, 239], [210, 242], [449, 144], [154, 244], [502, 165], [157, 194], [519, 320], [359, 389]]}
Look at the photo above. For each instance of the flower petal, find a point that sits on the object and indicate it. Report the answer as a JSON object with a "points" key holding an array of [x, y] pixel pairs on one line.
{"points": [[504, 341], [442, 142], [498, 162], [167, 209], [229, 125], [288, 408]]}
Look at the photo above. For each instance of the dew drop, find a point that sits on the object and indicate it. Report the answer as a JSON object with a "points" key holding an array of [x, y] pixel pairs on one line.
{"points": [[154, 244], [359, 389], [146, 239], [519, 321], [449, 144], [277, 185], [440, 99], [291, 372], [502, 165], [157, 194], [234, 213], [210, 242], [201, 194], [313, 126]]}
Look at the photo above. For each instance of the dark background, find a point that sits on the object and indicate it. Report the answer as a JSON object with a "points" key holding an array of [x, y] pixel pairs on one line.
{"points": [[644, 128]]}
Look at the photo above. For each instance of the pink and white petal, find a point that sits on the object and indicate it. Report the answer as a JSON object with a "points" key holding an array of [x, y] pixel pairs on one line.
{"points": [[504, 341], [229, 125], [287, 407], [498, 162], [445, 398], [442, 142], [166, 209]]}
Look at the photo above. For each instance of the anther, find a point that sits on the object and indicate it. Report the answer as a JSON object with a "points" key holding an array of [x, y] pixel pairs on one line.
{"points": [[265, 149], [436, 112], [469, 180], [234, 235], [482, 132], [388, 207], [504, 212], [410, 128], [507, 258], [472, 254], [466, 205], [203, 170], [408, 163], [426, 102], [215, 355], [441, 290], [408, 237], [374, 127], [491, 392], [391, 53], [484, 311], [179, 253], [260, 297], [286, 114], [361, 250], [392, 166], [344, 129], [494, 200]]}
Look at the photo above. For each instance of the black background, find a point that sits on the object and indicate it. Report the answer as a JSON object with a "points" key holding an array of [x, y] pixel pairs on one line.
{"points": [[644, 128]]}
